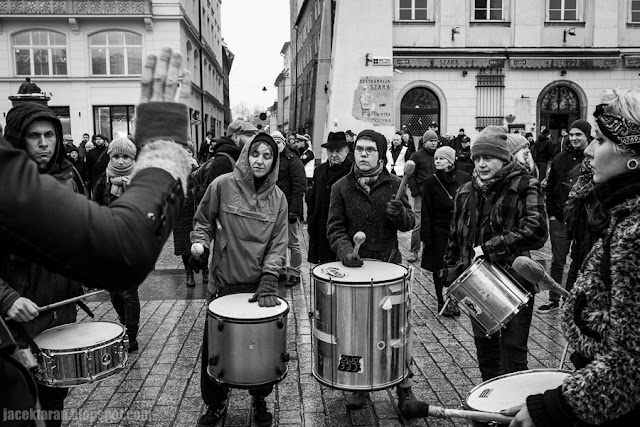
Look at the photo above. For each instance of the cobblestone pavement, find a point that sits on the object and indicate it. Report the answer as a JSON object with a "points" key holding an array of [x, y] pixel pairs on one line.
{"points": [[160, 385]]}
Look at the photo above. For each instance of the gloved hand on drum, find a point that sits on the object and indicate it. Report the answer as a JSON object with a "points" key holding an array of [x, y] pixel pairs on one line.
{"points": [[352, 260], [266, 294], [199, 257], [477, 253], [394, 208]]}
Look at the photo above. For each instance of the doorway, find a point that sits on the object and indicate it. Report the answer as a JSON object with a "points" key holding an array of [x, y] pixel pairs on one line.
{"points": [[419, 107], [559, 107]]}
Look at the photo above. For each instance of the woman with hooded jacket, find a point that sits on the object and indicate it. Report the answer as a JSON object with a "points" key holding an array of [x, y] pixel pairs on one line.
{"points": [[244, 215]]}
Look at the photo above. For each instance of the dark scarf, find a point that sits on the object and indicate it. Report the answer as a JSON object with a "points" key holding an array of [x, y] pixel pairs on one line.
{"points": [[365, 179]]}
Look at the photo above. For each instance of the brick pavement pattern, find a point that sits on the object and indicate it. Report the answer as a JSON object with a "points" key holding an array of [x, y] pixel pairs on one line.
{"points": [[160, 386]]}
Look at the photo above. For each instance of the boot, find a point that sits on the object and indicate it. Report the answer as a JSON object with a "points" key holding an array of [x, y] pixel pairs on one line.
{"points": [[357, 400], [205, 276], [409, 406], [261, 415], [190, 280], [213, 416], [133, 342]]}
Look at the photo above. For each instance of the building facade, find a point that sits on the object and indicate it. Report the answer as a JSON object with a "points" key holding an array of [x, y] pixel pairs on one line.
{"points": [[283, 85], [88, 57]]}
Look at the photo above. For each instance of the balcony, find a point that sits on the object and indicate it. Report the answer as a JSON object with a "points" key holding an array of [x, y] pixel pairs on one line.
{"points": [[15, 8]]}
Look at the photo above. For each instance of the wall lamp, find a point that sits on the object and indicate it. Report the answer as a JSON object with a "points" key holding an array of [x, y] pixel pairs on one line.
{"points": [[464, 73], [367, 59], [570, 31], [454, 31], [563, 73]]}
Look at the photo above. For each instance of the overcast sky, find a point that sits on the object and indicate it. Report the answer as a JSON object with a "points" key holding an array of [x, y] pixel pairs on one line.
{"points": [[255, 31]]}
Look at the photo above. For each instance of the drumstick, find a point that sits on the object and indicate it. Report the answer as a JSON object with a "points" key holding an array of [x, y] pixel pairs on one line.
{"points": [[69, 301], [409, 168], [564, 355], [440, 412], [534, 272], [358, 239], [444, 307]]}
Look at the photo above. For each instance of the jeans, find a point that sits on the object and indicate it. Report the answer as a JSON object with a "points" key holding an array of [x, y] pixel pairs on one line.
{"points": [[504, 351], [560, 246], [415, 234], [127, 304], [296, 253], [214, 393]]}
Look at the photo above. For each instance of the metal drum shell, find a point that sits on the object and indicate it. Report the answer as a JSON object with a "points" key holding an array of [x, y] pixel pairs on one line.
{"points": [[247, 353], [80, 365], [489, 294], [350, 320]]}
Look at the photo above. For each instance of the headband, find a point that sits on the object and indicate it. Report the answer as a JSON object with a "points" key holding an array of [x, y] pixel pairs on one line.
{"points": [[623, 132]]}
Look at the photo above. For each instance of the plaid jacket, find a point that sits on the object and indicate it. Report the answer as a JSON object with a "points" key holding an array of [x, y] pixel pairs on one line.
{"points": [[511, 220]]}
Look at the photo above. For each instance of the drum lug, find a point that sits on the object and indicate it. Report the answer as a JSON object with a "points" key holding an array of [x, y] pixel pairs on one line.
{"points": [[220, 325], [213, 361], [285, 357], [280, 323]]}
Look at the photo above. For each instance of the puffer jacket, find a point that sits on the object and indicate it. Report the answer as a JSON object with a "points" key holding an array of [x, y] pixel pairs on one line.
{"points": [[601, 323], [511, 220], [292, 180], [253, 235]]}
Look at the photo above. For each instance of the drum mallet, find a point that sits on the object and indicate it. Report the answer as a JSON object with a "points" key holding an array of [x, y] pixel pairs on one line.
{"points": [[409, 168], [423, 409], [358, 239], [69, 301], [533, 272]]}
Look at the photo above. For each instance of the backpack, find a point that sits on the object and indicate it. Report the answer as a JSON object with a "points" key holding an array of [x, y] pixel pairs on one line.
{"points": [[199, 180]]}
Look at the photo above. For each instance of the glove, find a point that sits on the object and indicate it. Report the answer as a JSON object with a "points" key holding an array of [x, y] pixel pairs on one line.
{"points": [[352, 260], [477, 253], [266, 294], [293, 218], [394, 208], [198, 263]]}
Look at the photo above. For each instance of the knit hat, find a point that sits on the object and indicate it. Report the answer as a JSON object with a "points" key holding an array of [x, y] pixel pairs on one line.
{"points": [[447, 153], [492, 141], [378, 138], [89, 145], [429, 135], [583, 125], [516, 142], [122, 146], [278, 137]]}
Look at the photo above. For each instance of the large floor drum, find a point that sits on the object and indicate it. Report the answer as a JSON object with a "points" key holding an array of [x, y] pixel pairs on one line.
{"points": [[361, 329], [247, 343]]}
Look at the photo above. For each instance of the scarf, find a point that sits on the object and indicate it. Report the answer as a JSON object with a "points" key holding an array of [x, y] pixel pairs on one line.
{"points": [[484, 185], [365, 179], [118, 176], [584, 183]]}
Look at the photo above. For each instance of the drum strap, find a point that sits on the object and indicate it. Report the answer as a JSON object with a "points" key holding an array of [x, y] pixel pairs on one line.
{"points": [[85, 308], [22, 332], [473, 216]]}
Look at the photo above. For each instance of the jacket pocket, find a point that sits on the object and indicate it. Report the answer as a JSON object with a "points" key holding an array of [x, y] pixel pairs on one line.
{"points": [[249, 225]]}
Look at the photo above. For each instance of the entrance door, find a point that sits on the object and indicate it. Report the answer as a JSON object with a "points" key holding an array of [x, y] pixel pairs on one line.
{"points": [[559, 108], [419, 107]]}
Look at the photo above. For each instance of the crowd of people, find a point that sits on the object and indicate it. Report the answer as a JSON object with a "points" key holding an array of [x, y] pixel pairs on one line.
{"points": [[242, 196]]}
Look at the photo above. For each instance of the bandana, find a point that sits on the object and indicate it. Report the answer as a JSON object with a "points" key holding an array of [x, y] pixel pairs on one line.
{"points": [[623, 132], [584, 183]]}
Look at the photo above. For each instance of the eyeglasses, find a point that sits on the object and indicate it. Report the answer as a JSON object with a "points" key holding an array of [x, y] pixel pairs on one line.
{"points": [[369, 150]]}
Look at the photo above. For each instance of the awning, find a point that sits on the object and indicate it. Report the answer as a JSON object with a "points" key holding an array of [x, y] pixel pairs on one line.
{"points": [[448, 62], [559, 63], [632, 61]]}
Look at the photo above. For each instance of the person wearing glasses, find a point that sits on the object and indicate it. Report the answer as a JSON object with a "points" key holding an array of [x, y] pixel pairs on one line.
{"points": [[364, 200]]}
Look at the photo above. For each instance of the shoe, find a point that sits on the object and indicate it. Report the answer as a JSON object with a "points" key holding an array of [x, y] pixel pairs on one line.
{"points": [[205, 276], [293, 281], [261, 415], [413, 257], [408, 405], [357, 400], [190, 280], [133, 346], [213, 416], [551, 307], [453, 306], [447, 311]]}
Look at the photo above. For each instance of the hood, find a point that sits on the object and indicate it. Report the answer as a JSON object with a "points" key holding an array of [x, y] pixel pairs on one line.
{"points": [[243, 174], [228, 146], [21, 116]]}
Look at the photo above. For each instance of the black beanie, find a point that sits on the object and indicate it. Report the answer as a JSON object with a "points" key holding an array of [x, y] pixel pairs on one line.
{"points": [[583, 125], [379, 139]]}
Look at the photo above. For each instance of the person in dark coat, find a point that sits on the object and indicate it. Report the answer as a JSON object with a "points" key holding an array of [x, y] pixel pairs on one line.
{"points": [[205, 148], [319, 197], [364, 200], [438, 193], [408, 141], [543, 153], [97, 161], [78, 163]]}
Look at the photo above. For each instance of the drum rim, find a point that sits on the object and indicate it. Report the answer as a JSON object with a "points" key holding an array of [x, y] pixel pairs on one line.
{"points": [[373, 282], [108, 341], [468, 272], [511, 374]]}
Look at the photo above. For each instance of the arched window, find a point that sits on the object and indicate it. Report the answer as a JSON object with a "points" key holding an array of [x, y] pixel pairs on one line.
{"points": [[418, 108], [40, 53], [116, 53]]}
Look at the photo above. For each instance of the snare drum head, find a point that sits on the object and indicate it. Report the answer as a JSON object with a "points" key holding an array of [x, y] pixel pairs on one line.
{"points": [[237, 306], [78, 335], [512, 389], [372, 270]]}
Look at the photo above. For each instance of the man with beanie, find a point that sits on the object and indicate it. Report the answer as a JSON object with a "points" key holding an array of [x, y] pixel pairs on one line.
{"points": [[293, 183], [563, 173], [498, 216], [364, 200], [423, 158]]}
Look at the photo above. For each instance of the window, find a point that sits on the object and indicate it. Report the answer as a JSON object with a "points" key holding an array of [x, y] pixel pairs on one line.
{"points": [[116, 53], [412, 10], [563, 10], [40, 53], [113, 121], [635, 11], [489, 98], [488, 10]]}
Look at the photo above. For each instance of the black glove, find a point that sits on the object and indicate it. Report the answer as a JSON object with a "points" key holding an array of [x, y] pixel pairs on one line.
{"points": [[394, 208], [198, 263], [352, 260], [266, 294], [292, 218]]}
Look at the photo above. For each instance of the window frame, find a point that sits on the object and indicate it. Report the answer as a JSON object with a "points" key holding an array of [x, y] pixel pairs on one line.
{"points": [[31, 47], [579, 12], [630, 19], [413, 12], [124, 46], [503, 10]]}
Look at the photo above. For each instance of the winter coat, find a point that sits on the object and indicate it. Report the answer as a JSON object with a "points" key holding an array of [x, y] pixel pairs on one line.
{"points": [[96, 165], [318, 201], [543, 151], [352, 210], [253, 235], [396, 159], [564, 171], [184, 225], [425, 167], [601, 323], [292, 180], [437, 211], [221, 164], [511, 220]]}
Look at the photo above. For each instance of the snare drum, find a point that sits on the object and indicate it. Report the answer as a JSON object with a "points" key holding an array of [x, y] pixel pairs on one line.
{"points": [[80, 353], [361, 330], [488, 294], [247, 343], [509, 390]]}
